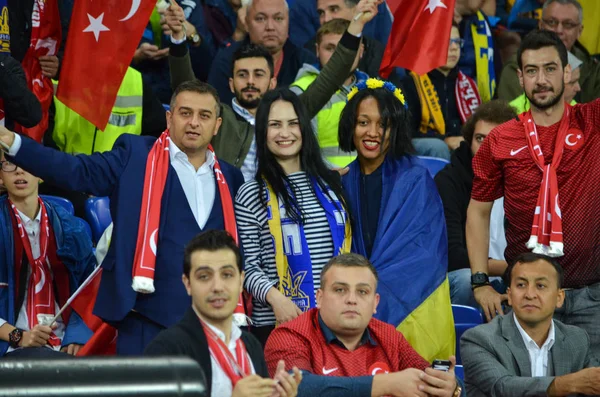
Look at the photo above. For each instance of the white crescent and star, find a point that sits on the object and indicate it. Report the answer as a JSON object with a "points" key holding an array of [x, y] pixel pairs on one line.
{"points": [[433, 4], [153, 241], [96, 24], [568, 142]]}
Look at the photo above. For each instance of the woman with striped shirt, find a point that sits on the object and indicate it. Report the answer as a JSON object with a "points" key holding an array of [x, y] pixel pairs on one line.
{"points": [[291, 218]]}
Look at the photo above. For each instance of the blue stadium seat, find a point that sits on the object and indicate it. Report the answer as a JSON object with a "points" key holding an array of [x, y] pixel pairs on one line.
{"points": [[433, 164], [459, 371], [97, 212], [63, 202], [465, 317]]}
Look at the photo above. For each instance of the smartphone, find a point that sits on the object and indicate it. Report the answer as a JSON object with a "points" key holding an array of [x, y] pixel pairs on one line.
{"points": [[441, 365]]}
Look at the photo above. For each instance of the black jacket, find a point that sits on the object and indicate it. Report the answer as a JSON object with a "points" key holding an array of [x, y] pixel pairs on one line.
{"points": [[454, 184], [20, 104], [444, 86], [187, 338], [221, 69], [371, 59]]}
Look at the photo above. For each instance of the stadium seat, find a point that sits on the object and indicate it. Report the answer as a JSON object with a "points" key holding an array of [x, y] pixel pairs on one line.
{"points": [[63, 202], [465, 317], [433, 164], [459, 371], [97, 213]]}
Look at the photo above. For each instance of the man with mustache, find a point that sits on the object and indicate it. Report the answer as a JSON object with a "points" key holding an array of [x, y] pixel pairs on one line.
{"points": [[530, 160]]}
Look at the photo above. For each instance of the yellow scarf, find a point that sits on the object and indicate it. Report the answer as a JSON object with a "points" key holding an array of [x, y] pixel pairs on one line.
{"points": [[286, 283], [486, 74], [431, 111]]}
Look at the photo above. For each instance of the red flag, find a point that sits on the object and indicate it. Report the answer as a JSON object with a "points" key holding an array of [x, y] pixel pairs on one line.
{"points": [[45, 40], [103, 36], [104, 340], [420, 35]]}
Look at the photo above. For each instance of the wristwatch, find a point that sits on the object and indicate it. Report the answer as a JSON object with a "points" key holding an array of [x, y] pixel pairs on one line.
{"points": [[479, 279], [194, 39], [14, 338]]}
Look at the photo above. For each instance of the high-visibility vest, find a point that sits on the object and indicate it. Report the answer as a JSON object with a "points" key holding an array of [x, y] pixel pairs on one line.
{"points": [[328, 120], [74, 134]]}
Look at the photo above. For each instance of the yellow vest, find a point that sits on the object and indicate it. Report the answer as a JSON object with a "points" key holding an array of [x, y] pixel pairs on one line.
{"points": [[328, 120], [74, 134]]}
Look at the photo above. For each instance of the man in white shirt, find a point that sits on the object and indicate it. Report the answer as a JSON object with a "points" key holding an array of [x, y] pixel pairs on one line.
{"points": [[526, 352], [44, 256], [232, 359]]}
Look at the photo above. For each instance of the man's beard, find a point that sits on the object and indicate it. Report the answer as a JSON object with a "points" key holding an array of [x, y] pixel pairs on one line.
{"points": [[248, 104], [549, 102]]}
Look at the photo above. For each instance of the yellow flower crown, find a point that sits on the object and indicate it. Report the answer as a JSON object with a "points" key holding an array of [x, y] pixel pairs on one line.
{"points": [[373, 84]]}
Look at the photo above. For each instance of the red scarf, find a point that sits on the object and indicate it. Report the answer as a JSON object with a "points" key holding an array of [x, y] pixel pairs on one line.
{"points": [[546, 231], [157, 167], [46, 35], [467, 96], [235, 368], [41, 300]]}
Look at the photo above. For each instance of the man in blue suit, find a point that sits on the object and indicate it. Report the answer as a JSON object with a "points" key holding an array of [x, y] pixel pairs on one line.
{"points": [[196, 196]]}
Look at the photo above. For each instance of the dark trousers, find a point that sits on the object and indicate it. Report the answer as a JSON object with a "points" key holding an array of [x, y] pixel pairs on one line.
{"points": [[135, 332]]}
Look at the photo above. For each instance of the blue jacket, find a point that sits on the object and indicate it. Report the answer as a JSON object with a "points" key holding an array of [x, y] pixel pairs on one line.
{"points": [[74, 248], [304, 23], [119, 173]]}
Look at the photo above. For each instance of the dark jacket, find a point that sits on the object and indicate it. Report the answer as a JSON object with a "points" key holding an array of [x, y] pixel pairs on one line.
{"points": [[232, 143], [444, 86], [187, 338], [371, 59], [454, 184], [20, 104], [220, 70]]}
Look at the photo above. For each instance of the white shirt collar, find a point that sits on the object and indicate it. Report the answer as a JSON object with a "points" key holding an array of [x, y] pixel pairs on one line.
{"points": [[176, 153], [26, 220], [236, 333], [530, 342], [249, 117]]}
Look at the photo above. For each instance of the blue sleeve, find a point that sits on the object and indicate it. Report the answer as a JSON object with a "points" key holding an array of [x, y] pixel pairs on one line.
{"points": [[97, 174], [76, 331], [207, 48], [220, 71], [381, 26], [304, 22], [334, 386]]}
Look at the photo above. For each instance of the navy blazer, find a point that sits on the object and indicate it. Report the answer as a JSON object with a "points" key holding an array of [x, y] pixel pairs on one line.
{"points": [[119, 173]]}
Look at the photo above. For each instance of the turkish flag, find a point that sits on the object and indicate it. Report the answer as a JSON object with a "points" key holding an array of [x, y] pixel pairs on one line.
{"points": [[104, 340], [46, 36], [103, 36], [420, 35]]}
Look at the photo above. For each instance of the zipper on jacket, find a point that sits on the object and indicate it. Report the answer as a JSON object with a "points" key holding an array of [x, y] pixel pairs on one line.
{"points": [[237, 160]]}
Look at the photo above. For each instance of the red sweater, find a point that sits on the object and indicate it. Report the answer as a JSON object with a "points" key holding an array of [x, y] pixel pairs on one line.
{"points": [[301, 343]]}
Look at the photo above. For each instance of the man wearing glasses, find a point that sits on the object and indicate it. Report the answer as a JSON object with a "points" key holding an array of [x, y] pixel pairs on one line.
{"points": [[565, 18], [440, 102]]}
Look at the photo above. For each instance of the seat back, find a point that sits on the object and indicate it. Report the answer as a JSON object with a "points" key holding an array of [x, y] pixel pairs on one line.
{"points": [[465, 317], [433, 164], [63, 202], [97, 213]]}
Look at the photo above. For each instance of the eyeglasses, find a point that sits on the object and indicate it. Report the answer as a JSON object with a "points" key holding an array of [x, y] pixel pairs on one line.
{"points": [[459, 42], [553, 23], [7, 166]]}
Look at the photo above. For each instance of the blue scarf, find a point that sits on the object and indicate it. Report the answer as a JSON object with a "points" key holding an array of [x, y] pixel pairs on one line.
{"points": [[292, 256]]}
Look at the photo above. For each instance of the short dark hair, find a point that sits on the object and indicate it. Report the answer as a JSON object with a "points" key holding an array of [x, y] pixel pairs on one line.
{"points": [[530, 257], [349, 260], [210, 240], [495, 112], [334, 26], [393, 116], [252, 50], [537, 39], [198, 87]]}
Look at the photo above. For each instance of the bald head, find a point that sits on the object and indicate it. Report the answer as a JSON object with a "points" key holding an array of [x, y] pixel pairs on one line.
{"points": [[268, 23]]}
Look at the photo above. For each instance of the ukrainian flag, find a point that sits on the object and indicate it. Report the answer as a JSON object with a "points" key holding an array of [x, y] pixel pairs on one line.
{"points": [[410, 253]]}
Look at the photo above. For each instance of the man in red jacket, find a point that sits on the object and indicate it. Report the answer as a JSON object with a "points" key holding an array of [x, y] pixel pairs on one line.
{"points": [[342, 350]]}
